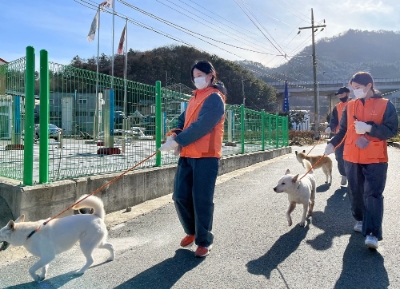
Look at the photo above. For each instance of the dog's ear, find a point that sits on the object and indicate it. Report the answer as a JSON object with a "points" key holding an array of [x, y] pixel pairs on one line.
{"points": [[287, 172], [20, 219], [295, 178], [11, 225], [304, 151]]}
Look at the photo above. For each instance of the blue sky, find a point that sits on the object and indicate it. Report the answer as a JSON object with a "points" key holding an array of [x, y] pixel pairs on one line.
{"points": [[61, 27]]}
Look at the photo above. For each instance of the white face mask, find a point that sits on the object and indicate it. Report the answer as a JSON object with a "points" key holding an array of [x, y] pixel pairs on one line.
{"points": [[200, 82], [359, 93]]}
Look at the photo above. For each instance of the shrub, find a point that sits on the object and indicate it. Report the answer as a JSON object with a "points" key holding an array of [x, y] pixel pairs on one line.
{"points": [[301, 137]]}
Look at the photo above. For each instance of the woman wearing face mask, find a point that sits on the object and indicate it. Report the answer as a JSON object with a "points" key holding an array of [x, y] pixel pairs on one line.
{"points": [[198, 134], [336, 115], [366, 124]]}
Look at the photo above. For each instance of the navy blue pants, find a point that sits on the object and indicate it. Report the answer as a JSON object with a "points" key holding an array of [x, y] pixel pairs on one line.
{"points": [[366, 183], [193, 196], [339, 159]]}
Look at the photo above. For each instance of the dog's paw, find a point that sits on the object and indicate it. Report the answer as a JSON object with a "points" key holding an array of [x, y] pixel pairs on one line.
{"points": [[290, 223], [302, 224], [39, 278]]}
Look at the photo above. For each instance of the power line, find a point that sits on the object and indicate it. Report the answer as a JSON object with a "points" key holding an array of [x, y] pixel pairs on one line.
{"points": [[295, 9], [139, 24], [188, 31], [259, 22], [302, 17], [205, 23], [258, 27]]}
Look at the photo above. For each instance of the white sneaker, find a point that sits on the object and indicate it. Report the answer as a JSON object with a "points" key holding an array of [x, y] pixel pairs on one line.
{"points": [[371, 242], [358, 226], [344, 181]]}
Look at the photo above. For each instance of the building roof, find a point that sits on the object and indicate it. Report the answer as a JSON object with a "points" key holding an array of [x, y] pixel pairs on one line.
{"points": [[2, 60]]}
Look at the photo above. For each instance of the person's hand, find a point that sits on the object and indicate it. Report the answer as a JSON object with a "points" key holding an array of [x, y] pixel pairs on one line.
{"points": [[329, 149], [362, 127], [169, 145], [328, 130]]}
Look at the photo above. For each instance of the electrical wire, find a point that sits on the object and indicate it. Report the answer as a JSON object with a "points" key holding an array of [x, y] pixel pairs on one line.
{"points": [[282, 53], [188, 31], [206, 23], [304, 18], [259, 22]]}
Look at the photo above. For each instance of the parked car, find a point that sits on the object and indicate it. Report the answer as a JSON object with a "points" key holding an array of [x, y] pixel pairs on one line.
{"points": [[54, 131]]}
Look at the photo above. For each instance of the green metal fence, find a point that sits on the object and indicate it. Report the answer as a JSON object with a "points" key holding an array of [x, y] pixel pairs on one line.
{"points": [[12, 79], [77, 110]]}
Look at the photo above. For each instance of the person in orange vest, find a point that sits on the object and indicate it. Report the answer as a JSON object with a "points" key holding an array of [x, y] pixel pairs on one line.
{"points": [[198, 139], [343, 93], [366, 124]]}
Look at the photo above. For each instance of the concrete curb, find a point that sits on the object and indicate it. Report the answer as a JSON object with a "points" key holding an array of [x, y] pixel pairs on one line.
{"points": [[136, 187]]}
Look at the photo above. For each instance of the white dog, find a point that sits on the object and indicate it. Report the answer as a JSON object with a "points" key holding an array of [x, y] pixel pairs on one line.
{"points": [[300, 191], [60, 235]]}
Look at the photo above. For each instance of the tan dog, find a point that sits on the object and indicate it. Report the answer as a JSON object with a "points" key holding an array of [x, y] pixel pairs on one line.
{"points": [[325, 163], [300, 190]]}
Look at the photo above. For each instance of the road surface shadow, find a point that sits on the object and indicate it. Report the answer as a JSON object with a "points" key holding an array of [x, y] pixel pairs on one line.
{"points": [[323, 188], [164, 274], [283, 248], [335, 221], [51, 283], [362, 267], [5, 213]]}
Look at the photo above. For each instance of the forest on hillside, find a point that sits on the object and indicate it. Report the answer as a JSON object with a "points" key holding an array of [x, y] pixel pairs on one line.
{"points": [[172, 65], [339, 57]]}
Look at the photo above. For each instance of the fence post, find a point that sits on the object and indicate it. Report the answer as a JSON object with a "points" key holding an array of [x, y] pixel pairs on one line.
{"points": [[158, 121], [276, 130], [287, 130], [16, 121], [242, 126], [262, 130], [269, 129], [44, 118], [29, 115]]}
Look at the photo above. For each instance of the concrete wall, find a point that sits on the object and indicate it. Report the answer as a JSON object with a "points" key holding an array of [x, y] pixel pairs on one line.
{"points": [[43, 201]]}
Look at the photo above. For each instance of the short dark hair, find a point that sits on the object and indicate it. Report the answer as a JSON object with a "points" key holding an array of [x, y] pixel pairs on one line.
{"points": [[363, 78], [206, 67]]}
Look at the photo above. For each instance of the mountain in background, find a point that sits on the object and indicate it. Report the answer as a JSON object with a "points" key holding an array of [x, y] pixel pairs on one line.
{"points": [[172, 65], [340, 57]]}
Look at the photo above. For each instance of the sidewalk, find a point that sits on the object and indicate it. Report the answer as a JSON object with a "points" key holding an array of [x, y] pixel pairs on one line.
{"points": [[253, 248]]}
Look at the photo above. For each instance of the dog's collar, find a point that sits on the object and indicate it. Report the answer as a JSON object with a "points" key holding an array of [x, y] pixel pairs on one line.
{"points": [[30, 235], [34, 231]]}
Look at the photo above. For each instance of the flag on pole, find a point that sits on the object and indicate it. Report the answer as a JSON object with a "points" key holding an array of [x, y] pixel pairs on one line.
{"points": [[121, 41], [93, 27], [286, 98], [107, 4]]}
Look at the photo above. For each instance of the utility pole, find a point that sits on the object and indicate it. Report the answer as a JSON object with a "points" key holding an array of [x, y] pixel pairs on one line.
{"points": [[244, 98], [314, 28]]}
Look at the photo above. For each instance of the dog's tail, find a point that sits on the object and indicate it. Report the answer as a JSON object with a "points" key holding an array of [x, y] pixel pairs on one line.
{"points": [[92, 202], [308, 166]]}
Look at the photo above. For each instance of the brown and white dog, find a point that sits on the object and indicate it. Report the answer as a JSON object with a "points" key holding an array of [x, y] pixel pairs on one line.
{"points": [[325, 163], [300, 191]]}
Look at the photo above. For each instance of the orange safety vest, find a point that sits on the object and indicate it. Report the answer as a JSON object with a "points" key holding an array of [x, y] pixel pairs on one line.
{"points": [[376, 151], [209, 145], [339, 108]]}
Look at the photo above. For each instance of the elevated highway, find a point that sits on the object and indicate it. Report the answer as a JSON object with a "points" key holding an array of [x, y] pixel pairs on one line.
{"points": [[301, 93]]}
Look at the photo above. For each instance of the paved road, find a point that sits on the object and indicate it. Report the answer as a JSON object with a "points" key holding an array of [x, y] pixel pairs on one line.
{"points": [[254, 247]]}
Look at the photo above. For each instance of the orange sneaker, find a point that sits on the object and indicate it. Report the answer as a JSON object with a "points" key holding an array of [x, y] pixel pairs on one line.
{"points": [[202, 251], [187, 241]]}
